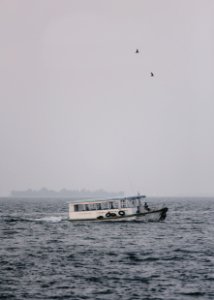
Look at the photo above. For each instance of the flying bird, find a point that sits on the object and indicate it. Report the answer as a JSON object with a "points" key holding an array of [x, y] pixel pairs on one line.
{"points": [[152, 75], [137, 51]]}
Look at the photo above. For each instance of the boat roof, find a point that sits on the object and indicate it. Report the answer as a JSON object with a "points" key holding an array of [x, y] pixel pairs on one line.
{"points": [[91, 201]]}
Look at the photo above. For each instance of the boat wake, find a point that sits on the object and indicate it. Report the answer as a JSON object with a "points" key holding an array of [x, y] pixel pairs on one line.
{"points": [[50, 219]]}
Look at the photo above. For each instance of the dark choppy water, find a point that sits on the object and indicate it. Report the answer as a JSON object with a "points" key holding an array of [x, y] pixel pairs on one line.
{"points": [[44, 256]]}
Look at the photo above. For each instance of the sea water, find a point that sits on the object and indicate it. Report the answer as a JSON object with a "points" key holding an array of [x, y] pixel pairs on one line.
{"points": [[45, 256]]}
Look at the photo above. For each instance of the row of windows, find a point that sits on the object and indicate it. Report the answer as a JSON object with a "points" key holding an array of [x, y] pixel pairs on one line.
{"points": [[96, 206], [106, 205]]}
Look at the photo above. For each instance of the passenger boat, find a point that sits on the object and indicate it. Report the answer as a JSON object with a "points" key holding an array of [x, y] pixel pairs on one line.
{"points": [[119, 209]]}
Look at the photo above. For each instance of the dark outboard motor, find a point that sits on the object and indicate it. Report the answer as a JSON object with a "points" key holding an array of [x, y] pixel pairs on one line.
{"points": [[163, 214]]}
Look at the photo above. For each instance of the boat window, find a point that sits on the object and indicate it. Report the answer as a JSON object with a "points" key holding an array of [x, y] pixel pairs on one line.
{"points": [[123, 203], [105, 205], [81, 207], [111, 205], [92, 206], [76, 207], [116, 204], [99, 206]]}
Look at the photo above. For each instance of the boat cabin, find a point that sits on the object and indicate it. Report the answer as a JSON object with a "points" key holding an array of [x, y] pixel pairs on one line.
{"points": [[105, 208], [105, 205]]}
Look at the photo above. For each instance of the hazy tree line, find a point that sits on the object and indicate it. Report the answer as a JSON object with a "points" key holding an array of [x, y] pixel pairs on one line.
{"points": [[65, 193]]}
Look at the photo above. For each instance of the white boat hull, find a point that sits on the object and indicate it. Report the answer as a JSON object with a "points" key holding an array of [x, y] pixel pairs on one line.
{"points": [[130, 214]]}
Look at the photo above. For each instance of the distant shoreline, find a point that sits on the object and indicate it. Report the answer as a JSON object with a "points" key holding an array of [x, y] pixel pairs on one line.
{"points": [[64, 193], [57, 197]]}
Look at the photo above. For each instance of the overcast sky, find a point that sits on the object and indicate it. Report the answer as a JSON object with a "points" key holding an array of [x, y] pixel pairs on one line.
{"points": [[79, 109]]}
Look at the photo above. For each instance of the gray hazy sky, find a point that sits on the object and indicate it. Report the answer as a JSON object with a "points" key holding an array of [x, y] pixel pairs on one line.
{"points": [[78, 108]]}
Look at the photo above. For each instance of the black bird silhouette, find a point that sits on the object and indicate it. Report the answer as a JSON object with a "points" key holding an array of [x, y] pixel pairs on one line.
{"points": [[137, 51], [152, 75]]}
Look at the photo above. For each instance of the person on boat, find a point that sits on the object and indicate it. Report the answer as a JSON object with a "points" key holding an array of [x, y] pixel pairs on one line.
{"points": [[146, 206]]}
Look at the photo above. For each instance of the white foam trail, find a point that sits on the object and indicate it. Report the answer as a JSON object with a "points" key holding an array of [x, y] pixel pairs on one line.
{"points": [[53, 219]]}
